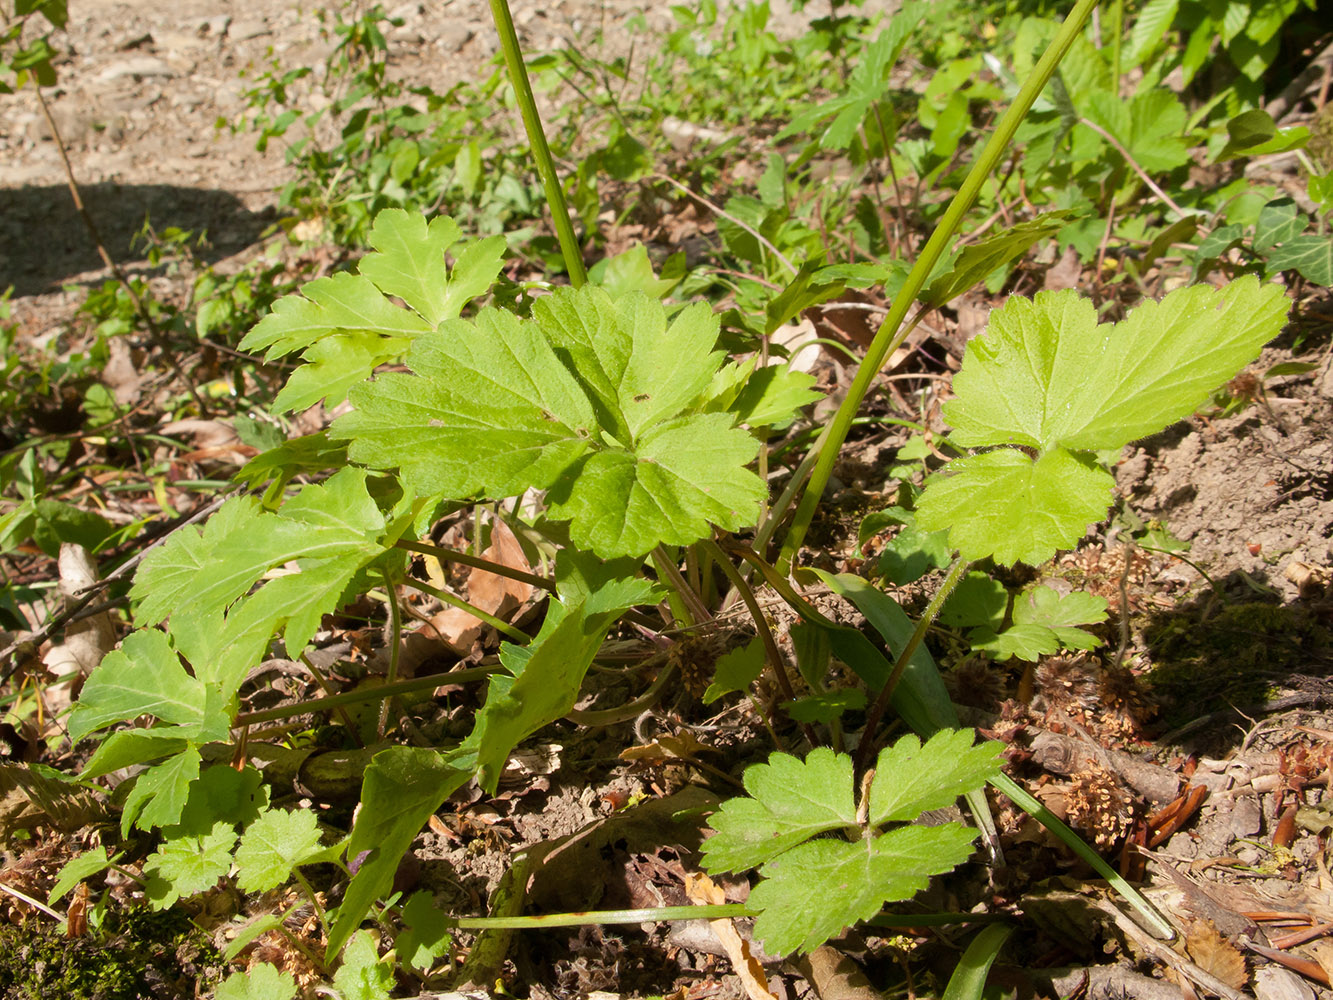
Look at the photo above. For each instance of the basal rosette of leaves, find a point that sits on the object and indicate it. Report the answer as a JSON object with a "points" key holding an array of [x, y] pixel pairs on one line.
{"points": [[813, 885], [1047, 387]]}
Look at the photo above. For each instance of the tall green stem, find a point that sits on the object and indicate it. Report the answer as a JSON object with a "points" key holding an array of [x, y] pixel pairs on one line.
{"points": [[892, 333], [541, 152]]}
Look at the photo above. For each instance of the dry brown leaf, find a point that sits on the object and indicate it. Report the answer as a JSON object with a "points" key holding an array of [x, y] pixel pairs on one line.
{"points": [[86, 640], [494, 594], [1216, 955], [702, 890]]}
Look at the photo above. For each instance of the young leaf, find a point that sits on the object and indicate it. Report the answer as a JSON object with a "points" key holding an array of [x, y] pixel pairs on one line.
{"points": [[261, 981], [362, 976], [977, 260], [402, 787], [409, 263], [911, 778], [736, 671], [273, 845], [789, 801], [426, 936], [1044, 622], [347, 325], [815, 890], [187, 865], [161, 793]]}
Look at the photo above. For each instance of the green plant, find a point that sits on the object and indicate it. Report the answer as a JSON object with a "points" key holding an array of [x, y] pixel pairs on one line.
{"points": [[29, 59], [631, 435]]}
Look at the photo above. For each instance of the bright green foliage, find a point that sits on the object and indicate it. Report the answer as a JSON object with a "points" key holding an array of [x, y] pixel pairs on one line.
{"points": [[1044, 623], [143, 677], [426, 936], [812, 889], [272, 846], [817, 889], [347, 325], [911, 778], [736, 671], [362, 976], [259, 982], [332, 529], [789, 801], [77, 869], [159, 794], [591, 399], [402, 787], [184, 866], [1047, 377], [547, 674]]}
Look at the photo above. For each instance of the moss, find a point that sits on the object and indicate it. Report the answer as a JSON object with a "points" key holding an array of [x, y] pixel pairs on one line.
{"points": [[146, 954], [1235, 657]]}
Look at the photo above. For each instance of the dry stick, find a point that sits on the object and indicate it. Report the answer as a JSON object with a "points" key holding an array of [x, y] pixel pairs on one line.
{"points": [[1134, 165], [765, 636], [716, 210], [476, 562], [111, 265], [35, 639]]}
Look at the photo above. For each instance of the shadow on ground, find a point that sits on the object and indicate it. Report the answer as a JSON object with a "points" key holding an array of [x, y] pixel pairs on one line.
{"points": [[44, 243], [1235, 653]]}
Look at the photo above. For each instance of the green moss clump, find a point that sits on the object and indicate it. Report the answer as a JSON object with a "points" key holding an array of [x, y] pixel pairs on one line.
{"points": [[1236, 657], [147, 955]]}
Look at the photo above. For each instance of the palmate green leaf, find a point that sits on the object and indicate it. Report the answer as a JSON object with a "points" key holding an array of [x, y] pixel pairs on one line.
{"points": [[490, 409], [159, 794], [342, 301], [586, 400], [789, 801], [187, 865], [362, 976], [426, 935], [1003, 504], [409, 263], [402, 787], [681, 477], [79, 868], [1045, 373], [332, 526], [1048, 377], [911, 778], [1044, 623], [815, 890], [143, 677], [735, 671], [273, 846], [347, 325]]}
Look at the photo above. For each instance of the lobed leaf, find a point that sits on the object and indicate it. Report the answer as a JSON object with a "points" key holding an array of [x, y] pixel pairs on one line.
{"points": [[911, 778], [1005, 505], [273, 846], [143, 677], [262, 981], [790, 801], [815, 890], [1045, 373]]}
